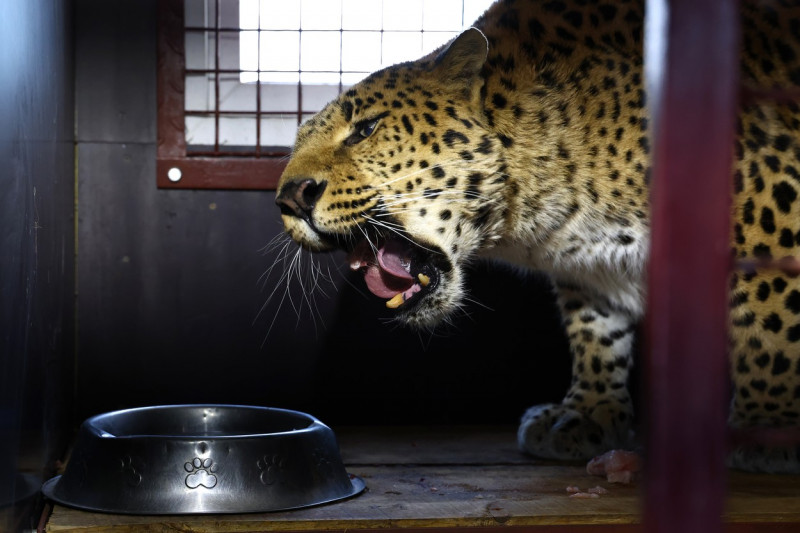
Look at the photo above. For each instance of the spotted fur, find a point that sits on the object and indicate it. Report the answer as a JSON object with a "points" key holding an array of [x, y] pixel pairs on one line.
{"points": [[525, 139]]}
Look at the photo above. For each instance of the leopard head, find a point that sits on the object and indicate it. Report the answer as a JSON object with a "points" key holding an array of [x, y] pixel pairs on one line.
{"points": [[402, 172]]}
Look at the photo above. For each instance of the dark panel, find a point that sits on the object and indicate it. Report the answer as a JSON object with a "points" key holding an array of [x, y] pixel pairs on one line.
{"points": [[168, 284], [115, 49], [37, 250]]}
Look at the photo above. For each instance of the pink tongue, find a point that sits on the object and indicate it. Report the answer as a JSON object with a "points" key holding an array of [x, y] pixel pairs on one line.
{"points": [[389, 276], [393, 258]]}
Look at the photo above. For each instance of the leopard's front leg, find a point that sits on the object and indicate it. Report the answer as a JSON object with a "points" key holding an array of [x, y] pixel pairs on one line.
{"points": [[596, 414]]}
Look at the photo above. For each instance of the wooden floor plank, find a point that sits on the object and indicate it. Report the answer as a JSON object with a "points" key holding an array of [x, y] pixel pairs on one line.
{"points": [[478, 445], [460, 477]]}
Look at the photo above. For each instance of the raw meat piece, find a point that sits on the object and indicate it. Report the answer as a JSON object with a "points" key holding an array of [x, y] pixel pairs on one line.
{"points": [[619, 466], [584, 495]]}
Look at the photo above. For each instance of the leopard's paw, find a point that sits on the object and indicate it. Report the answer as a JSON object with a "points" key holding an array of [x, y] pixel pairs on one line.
{"points": [[557, 431]]}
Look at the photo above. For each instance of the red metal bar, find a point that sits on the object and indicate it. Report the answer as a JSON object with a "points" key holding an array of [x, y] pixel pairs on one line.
{"points": [[787, 265], [199, 152], [778, 437], [783, 95], [258, 85], [237, 71], [234, 29], [221, 173], [300, 77], [216, 74], [693, 97], [204, 113], [341, 42], [170, 84]]}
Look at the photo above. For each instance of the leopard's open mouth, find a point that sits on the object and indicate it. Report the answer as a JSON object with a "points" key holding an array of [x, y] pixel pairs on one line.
{"points": [[398, 270]]}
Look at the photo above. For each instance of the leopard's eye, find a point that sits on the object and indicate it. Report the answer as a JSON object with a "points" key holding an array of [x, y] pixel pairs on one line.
{"points": [[368, 128], [363, 129]]}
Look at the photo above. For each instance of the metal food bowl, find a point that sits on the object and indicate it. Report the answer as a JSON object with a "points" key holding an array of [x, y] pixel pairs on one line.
{"points": [[192, 459]]}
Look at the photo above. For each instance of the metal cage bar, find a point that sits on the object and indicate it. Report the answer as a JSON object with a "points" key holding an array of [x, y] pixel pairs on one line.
{"points": [[693, 98]]}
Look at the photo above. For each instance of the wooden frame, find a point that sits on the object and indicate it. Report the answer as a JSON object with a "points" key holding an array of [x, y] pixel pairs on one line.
{"points": [[261, 171]]}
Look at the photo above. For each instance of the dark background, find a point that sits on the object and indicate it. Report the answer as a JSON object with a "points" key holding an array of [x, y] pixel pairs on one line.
{"points": [[117, 294]]}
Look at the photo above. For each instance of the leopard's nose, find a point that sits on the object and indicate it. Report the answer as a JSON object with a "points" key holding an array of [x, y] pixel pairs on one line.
{"points": [[297, 197]]}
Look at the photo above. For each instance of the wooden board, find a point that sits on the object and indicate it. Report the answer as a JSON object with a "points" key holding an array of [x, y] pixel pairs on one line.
{"points": [[462, 477]]}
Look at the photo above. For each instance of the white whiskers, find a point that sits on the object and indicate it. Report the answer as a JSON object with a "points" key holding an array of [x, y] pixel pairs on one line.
{"points": [[293, 265]]}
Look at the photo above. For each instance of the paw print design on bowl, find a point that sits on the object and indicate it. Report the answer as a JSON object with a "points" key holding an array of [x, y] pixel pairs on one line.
{"points": [[272, 469], [132, 476], [323, 462], [201, 473]]}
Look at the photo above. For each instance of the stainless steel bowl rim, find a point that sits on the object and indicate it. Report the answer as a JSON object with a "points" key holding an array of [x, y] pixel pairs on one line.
{"points": [[91, 422]]}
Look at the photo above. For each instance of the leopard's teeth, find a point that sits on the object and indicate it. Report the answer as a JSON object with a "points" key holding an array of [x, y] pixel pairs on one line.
{"points": [[396, 301], [423, 279]]}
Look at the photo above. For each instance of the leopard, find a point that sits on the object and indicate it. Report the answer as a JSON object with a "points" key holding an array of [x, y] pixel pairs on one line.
{"points": [[526, 140]]}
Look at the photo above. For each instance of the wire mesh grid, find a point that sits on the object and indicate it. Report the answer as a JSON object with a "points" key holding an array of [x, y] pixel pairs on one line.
{"points": [[255, 70]]}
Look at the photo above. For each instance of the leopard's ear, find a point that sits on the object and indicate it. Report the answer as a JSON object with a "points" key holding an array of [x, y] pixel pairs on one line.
{"points": [[461, 60]]}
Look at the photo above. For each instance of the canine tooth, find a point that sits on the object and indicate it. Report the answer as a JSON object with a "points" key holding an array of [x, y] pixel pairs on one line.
{"points": [[423, 279], [395, 302]]}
